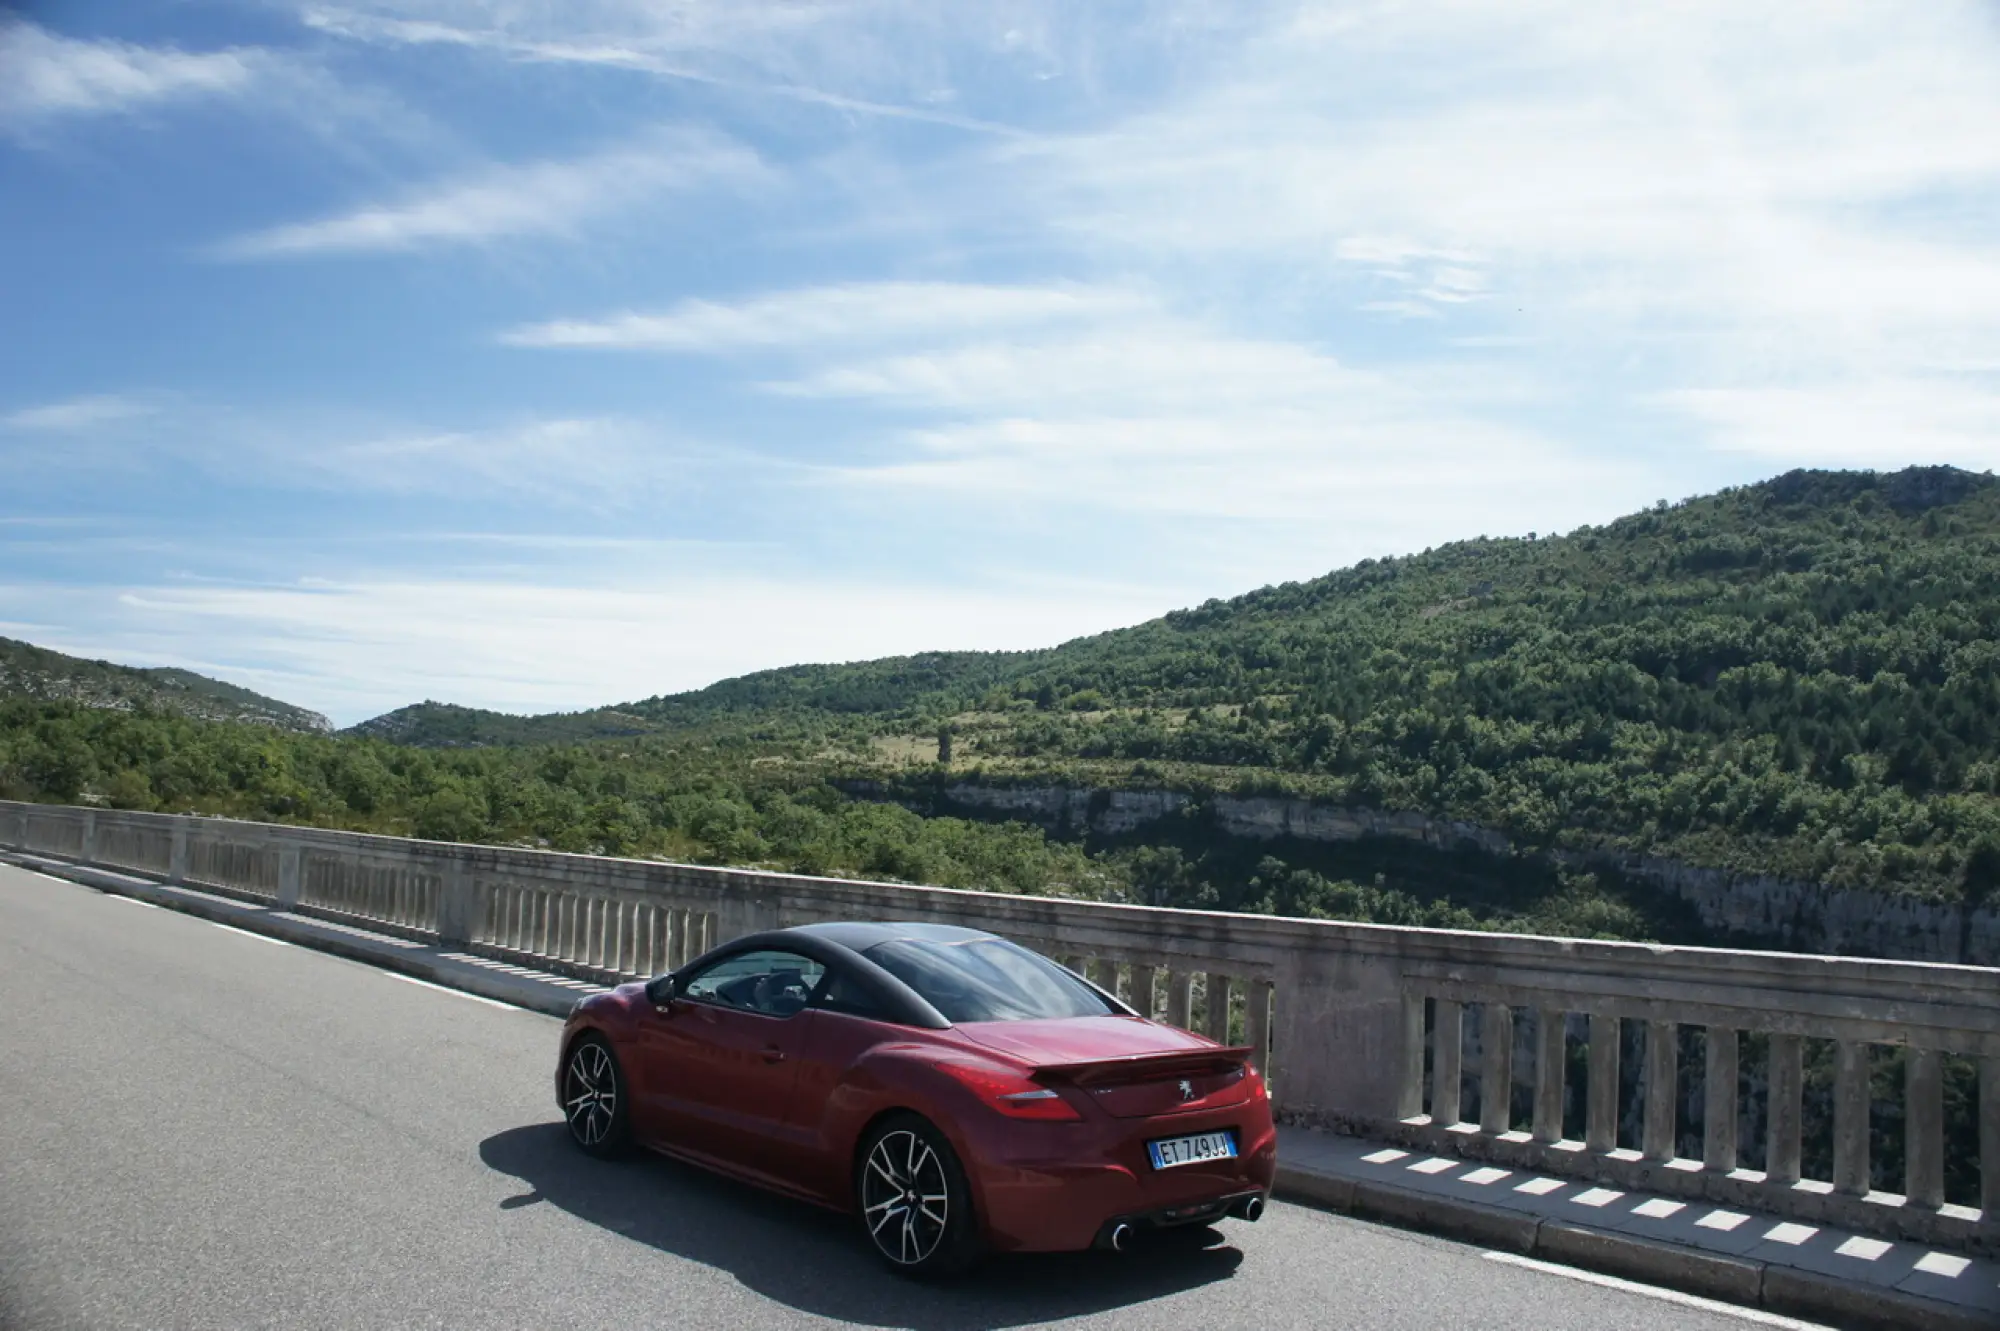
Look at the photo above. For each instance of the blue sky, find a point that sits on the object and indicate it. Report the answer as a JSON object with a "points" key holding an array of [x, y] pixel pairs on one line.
{"points": [[540, 355]]}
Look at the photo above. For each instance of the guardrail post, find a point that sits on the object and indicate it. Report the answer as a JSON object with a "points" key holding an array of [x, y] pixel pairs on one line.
{"points": [[1496, 1075], [1549, 1075], [1662, 1078], [1410, 1100], [290, 871], [177, 853], [1600, 1130], [1784, 1112], [1989, 1144], [1718, 1146], [1447, 1069], [1850, 1118], [1923, 1125], [89, 847]]}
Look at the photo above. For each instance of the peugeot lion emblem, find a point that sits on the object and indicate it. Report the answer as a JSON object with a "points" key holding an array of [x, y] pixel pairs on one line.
{"points": [[1187, 1090]]}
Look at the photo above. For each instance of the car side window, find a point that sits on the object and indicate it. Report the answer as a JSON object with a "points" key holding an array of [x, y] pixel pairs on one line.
{"points": [[843, 993], [774, 983]]}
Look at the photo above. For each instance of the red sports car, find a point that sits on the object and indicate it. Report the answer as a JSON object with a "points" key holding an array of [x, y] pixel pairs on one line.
{"points": [[954, 1091]]}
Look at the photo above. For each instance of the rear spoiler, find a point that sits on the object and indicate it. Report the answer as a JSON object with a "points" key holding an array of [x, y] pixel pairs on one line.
{"points": [[1148, 1067]]}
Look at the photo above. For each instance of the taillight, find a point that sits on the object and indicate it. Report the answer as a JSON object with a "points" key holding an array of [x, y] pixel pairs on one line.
{"points": [[1011, 1093]]}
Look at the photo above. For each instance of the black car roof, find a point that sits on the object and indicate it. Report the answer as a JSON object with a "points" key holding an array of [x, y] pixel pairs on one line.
{"points": [[860, 936]]}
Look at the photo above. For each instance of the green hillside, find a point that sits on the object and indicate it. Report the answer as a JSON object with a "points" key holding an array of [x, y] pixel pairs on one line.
{"points": [[1795, 678], [27, 671]]}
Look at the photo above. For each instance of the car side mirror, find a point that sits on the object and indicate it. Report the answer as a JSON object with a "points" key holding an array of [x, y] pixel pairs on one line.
{"points": [[660, 990]]}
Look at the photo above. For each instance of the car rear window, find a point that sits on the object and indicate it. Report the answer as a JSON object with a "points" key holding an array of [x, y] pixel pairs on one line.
{"points": [[987, 979]]}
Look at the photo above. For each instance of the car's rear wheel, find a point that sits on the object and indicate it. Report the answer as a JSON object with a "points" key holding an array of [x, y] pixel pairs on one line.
{"points": [[915, 1204], [594, 1099]]}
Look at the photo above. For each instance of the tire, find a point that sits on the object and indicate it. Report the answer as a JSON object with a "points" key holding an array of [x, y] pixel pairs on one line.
{"points": [[594, 1099], [906, 1177]]}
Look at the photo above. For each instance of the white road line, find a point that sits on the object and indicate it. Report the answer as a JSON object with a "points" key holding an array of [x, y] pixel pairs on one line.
{"points": [[262, 938], [1756, 1315], [455, 993], [132, 901]]}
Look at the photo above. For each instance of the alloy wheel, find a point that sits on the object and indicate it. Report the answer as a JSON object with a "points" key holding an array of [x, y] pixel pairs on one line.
{"points": [[590, 1093], [905, 1198]]}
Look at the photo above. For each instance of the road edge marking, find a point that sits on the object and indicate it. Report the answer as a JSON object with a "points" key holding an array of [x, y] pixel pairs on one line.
{"points": [[1695, 1301]]}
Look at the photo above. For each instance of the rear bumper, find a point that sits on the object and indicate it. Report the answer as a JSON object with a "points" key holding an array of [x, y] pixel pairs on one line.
{"points": [[1031, 1205]]}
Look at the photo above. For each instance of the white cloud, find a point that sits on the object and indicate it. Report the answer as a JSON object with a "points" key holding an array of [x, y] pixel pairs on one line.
{"points": [[784, 51], [821, 318], [1891, 422], [354, 648], [44, 74], [540, 198], [1706, 202], [75, 414], [595, 462]]}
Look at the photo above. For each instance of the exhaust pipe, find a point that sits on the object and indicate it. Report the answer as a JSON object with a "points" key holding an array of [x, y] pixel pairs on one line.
{"points": [[1120, 1237], [1250, 1208]]}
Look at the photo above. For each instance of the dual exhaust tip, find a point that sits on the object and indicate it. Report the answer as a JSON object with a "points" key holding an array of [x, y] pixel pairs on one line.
{"points": [[1121, 1235]]}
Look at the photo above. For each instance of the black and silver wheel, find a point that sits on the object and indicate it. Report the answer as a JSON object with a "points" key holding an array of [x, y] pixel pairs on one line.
{"points": [[914, 1200], [593, 1098]]}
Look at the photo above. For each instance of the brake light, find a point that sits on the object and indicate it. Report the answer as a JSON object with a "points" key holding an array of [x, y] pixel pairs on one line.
{"points": [[1011, 1093]]}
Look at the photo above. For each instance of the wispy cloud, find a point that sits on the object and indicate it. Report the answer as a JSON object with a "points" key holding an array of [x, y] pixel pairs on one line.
{"points": [[682, 42], [823, 318], [357, 646], [534, 199], [45, 75], [75, 414]]}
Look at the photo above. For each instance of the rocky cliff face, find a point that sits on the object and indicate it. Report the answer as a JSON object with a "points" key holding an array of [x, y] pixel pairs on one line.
{"points": [[1806, 917]]}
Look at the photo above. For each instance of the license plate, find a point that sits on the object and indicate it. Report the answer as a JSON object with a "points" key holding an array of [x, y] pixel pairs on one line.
{"points": [[1195, 1150]]}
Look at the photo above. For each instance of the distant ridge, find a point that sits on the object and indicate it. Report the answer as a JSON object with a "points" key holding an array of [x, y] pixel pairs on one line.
{"points": [[28, 671]]}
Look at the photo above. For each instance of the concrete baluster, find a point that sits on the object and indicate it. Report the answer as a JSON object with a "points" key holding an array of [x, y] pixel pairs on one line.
{"points": [[1550, 1073], [1142, 991], [1989, 1145], [290, 867], [1600, 1129], [1923, 1126], [1719, 1103], [1410, 1082], [1657, 1135], [1496, 1073], [1257, 1026], [1218, 1006], [1850, 1118], [1104, 974], [1180, 998], [1784, 1112], [1447, 1049]]}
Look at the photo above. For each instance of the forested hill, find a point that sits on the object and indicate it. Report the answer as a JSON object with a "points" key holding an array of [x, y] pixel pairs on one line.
{"points": [[1800, 676], [27, 671]]}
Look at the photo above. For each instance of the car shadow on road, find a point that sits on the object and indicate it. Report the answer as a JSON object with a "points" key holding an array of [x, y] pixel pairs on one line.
{"points": [[817, 1262]]}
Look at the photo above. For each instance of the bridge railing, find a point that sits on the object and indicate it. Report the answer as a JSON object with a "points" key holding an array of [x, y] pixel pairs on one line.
{"points": [[1690, 1071]]}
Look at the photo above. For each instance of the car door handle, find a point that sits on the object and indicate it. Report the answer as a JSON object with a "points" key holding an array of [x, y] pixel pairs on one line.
{"points": [[773, 1054]]}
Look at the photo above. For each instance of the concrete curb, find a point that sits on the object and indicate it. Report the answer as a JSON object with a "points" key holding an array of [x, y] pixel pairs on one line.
{"points": [[1779, 1289], [416, 961]]}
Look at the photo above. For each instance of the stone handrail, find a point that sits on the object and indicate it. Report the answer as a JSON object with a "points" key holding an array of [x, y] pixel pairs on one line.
{"points": [[1363, 1027]]}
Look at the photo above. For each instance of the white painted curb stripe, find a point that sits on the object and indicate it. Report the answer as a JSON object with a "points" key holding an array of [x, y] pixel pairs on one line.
{"points": [[262, 938], [455, 993], [1717, 1306]]}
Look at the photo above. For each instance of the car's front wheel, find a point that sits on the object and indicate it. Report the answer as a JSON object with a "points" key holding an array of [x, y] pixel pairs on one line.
{"points": [[593, 1099], [915, 1203]]}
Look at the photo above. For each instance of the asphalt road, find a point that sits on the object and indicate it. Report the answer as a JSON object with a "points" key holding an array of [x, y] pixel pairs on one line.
{"points": [[204, 1128]]}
